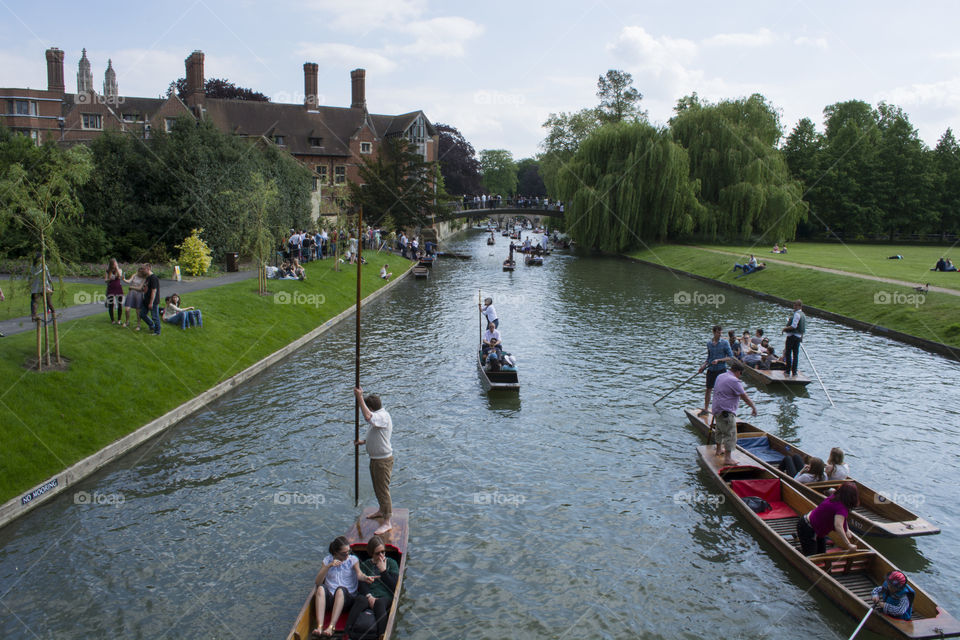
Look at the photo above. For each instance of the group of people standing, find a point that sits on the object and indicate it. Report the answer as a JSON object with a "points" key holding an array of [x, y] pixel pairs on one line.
{"points": [[143, 299]]}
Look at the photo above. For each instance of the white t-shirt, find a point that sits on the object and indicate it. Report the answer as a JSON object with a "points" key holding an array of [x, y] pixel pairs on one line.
{"points": [[490, 313], [490, 335], [342, 576], [840, 472], [378, 437]]}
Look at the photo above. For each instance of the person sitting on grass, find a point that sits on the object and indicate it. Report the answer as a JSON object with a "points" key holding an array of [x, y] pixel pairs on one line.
{"points": [[894, 597], [184, 316], [949, 266], [750, 265], [298, 271], [384, 273], [776, 248]]}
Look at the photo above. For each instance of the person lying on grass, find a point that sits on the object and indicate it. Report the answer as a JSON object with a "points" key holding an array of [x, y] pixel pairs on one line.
{"points": [[183, 316]]}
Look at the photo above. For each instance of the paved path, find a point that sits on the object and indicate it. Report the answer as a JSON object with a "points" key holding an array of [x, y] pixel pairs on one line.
{"points": [[862, 276], [19, 325]]}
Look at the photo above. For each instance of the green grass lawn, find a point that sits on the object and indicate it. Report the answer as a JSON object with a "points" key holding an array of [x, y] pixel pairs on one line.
{"points": [[118, 379], [869, 259], [932, 316]]}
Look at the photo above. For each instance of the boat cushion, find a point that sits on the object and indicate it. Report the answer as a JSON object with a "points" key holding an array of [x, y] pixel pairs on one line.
{"points": [[760, 447], [769, 490]]}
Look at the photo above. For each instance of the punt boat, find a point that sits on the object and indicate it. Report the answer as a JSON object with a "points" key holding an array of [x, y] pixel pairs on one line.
{"points": [[877, 514], [497, 380], [846, 578]]}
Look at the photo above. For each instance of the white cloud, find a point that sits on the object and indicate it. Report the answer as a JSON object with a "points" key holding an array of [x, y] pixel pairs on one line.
{"points": [[663, 55], [819, 43], [759, 38], [938, 95], [444, 36], [332, 54]]}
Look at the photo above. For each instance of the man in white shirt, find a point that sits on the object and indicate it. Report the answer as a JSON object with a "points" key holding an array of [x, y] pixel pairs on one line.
{"points": [[490, 313], [491, 339], [380, 451]]}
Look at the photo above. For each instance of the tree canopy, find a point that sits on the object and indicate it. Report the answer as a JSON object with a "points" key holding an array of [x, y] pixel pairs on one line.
{"points": [[499, 171], [619, 99], [219, 88], [458, 162]]}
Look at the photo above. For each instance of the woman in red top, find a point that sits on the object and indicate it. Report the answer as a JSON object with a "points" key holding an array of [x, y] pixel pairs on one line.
{"points": [[830, 517]]}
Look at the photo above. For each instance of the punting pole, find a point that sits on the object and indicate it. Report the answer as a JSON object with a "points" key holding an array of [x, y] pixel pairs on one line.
{"points": [[862, 622], [480, 304], [812, 366], [356, 402], [676, 387]]}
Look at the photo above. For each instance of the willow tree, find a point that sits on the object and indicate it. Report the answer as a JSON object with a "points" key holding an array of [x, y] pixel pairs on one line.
{"points": [[257, 225], [627, 184], [744, 180]]}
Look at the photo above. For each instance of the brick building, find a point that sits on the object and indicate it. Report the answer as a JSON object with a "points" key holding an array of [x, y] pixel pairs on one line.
{"points": [[331, 141]]}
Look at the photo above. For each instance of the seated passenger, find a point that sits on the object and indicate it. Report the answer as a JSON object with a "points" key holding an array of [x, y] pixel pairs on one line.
{"points": [[752, 356], [493, 361], [378, 595], [491, 339], [735, 345], [836, 469], [829, 517], [811, 472], [338, 581], [767, 354], [184, 316], [894, 597]]}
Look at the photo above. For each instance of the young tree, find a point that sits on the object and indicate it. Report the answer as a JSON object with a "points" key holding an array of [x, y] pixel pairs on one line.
{"points": [[499, 171], [619, 99], [458, 161], [255, 209], [946, 160], [40, 193]]}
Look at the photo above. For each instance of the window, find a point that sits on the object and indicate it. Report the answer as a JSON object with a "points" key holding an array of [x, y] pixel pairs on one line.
{"points": [[278, 140], [340, 174], [322, 172], [24, 108], [130, 117], [33, 134], [316, 142], [168, 124], [146, 131], [316, 184], [366, 147], [92, 121]]}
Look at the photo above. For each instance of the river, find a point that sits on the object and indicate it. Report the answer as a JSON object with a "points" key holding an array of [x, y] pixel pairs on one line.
{"points": [[574, 509]]}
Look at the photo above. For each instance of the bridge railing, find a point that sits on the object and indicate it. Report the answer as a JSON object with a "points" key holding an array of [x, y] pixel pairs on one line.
{"points": [[510, 203]]}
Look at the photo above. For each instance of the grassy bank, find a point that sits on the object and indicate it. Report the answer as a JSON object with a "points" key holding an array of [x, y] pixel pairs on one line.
{"points": [[118, 379], [868, 259], [931, 316]]}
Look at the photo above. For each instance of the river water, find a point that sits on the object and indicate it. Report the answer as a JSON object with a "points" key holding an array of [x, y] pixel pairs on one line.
{"points": [[574, 509]]}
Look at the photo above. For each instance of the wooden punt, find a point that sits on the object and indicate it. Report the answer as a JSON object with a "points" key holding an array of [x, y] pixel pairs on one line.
{"points": [[497, 380], [426, 261], [491, 240], [847, 578], [359, 534], [421, 271], [509, 265], [877, 515], [532, 260], [766, 377]]}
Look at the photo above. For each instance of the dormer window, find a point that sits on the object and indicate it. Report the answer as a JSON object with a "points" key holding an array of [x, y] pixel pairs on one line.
{"points": [[316, 142], [130, 117], [278, 140], [92, 121], [366, 147]]}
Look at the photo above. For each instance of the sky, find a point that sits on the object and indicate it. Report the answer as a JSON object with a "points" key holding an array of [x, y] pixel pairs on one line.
{"points": [[496, 70]]}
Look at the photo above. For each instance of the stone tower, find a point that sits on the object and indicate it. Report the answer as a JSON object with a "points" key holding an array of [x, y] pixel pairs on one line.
{"points": [[110, 81], [84, 76]]}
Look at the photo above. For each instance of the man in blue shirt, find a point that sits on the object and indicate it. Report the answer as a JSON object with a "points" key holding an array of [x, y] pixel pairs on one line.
{"points": [[718, 350]]}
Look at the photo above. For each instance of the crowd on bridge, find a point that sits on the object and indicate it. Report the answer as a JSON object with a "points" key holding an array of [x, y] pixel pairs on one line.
{"points": [[496, 201]]}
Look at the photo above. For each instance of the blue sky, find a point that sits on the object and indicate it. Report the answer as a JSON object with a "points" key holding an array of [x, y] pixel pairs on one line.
{"points": [[497, 69]]}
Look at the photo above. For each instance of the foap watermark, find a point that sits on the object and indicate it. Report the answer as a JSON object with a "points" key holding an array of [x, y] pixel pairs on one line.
{"points": [[99, 499], [497, 499], [297, 499], [298, 97], [897, 297], [699, 497], [499, 98], [96, 98], [296, 297], [696, 298], [93, 297], [903, 499]]}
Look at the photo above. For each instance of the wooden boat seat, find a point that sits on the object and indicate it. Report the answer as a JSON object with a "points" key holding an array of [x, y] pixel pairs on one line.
{"points": [[843, 563], [769, 490]]}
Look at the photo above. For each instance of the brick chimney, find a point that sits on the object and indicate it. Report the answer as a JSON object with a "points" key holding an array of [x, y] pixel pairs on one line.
{"points": [[310, 85], [359, 90], [195, 81], [55, 70]]}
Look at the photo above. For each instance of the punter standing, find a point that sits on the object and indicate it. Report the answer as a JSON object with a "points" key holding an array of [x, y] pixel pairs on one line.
{"points": [[718, 350], [794, 332], [381, 454], [726, 401], [490, 313]]}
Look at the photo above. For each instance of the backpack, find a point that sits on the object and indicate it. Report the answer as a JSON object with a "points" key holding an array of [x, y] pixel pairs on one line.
{"points": [[759, 505], [364, 627]]}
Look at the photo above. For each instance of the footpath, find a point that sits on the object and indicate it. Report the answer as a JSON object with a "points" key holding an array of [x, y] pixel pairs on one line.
{"points": [[862, 276], [72, 312]]}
